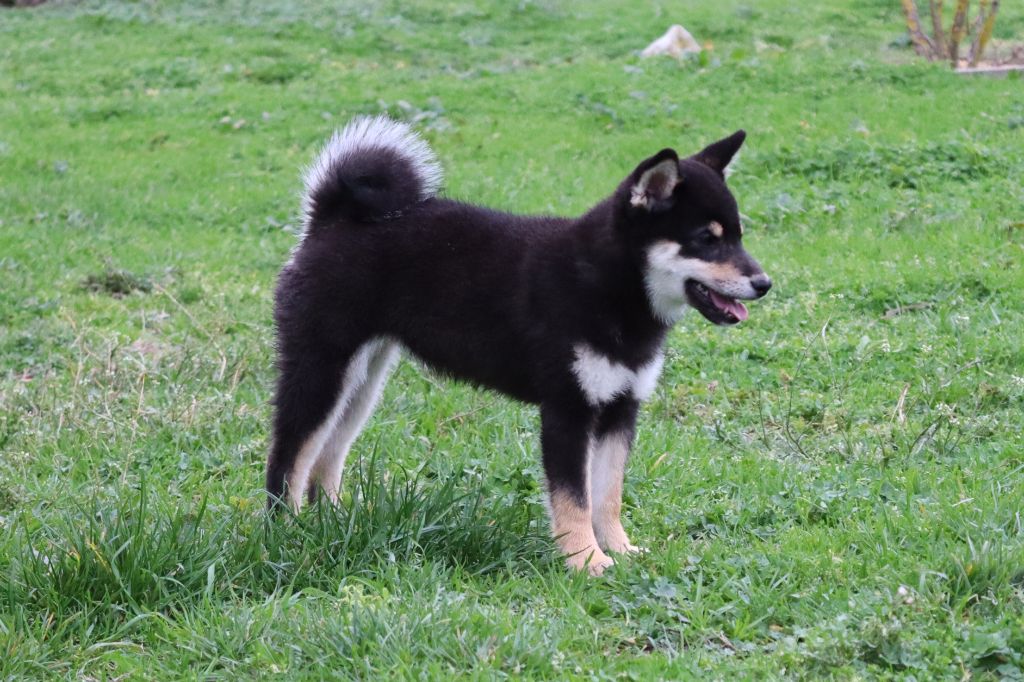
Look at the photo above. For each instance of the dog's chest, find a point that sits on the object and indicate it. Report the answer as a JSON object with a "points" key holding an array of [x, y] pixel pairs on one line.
{"points": [[602, 379]]}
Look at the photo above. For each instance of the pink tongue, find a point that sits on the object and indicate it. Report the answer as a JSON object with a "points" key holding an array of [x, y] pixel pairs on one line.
{"points": [[731, 305]]}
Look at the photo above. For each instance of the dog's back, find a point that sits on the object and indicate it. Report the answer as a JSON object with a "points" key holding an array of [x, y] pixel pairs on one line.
{"points": [[381, 256]]}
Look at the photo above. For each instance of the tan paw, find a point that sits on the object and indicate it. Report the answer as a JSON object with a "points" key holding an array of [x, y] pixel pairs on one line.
{"points": [[625, 547], [612, 538], [592, 559]]}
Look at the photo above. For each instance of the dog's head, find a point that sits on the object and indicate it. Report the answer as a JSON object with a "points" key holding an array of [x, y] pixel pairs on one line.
{"points": [[687, 228]]}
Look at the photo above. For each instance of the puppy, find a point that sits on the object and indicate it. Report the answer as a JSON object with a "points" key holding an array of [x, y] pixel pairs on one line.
{"points": [[569, 314]]}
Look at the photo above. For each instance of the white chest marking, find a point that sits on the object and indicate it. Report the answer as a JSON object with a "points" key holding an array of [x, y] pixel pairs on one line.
{"points": [[603, 379], [647, 377]]}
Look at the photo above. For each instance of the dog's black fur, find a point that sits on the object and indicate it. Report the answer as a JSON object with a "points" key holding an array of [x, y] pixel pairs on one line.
{"points": [[500, 300]]}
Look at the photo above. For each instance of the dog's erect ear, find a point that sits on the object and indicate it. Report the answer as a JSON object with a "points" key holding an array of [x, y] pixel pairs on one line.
{"points": [[718, 155], [654, 180]]}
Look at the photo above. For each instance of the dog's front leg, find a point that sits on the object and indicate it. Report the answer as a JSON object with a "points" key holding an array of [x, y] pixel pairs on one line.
{"points": [[566, 441], [613, 438]]}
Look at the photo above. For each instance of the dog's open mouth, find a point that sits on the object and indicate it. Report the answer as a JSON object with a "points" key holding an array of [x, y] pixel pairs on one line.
{"points": [[717, 307]]}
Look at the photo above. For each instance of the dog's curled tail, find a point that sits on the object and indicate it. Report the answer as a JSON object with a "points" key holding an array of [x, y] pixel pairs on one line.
{"points": [[372, 169]]}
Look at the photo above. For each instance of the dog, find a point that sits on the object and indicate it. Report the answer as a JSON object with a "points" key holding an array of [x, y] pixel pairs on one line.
{"points": [[569, 314]]}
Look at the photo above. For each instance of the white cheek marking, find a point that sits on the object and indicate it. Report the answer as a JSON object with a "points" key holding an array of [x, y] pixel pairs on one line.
{"points": [[666, 273], [716, 228], [602, 379]]}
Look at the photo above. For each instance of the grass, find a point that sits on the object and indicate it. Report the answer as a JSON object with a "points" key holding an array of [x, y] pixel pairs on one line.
{"points": [[832, 489]]}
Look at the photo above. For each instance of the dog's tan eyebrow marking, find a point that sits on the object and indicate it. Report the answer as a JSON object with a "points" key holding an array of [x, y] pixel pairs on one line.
{"points": [[741, 227], [716, 228]]}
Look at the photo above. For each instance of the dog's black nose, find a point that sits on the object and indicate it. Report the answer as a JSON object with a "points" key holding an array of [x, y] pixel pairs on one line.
{"points": [[761, 283]]}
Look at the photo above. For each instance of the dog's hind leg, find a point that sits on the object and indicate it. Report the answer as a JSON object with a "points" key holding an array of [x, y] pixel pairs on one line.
{"points": [[613, 438], [381, 359], [312, 393], [566, 443]]}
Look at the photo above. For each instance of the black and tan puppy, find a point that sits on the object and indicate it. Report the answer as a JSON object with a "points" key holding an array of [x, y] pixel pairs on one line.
{"points": [[566, 313]]}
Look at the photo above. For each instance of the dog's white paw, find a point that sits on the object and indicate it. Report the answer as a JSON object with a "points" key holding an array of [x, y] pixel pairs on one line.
{"points": [[592, 560], [612, 538], [626, 548]]}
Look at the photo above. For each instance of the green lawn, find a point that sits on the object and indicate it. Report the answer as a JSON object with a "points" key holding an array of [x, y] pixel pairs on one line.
{"points": [[832, 489]]}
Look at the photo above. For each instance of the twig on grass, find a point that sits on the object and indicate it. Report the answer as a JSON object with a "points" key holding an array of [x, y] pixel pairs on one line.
{"points": [[898, 412], [461, 416], [901, 309], [973, 363], [924, 438]]}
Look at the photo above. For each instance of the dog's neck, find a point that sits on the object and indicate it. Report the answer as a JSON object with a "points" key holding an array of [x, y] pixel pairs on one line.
{"points": [[614, 267]]}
